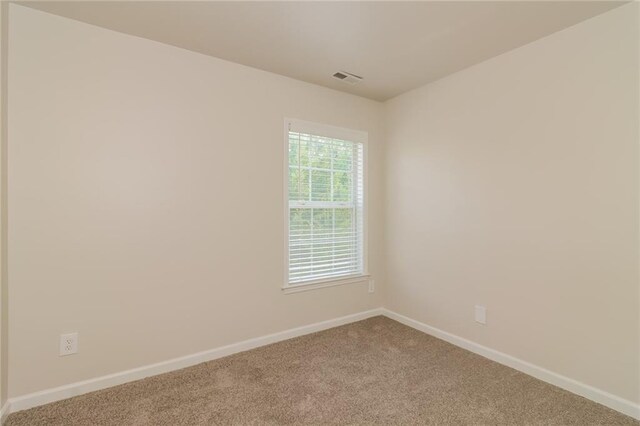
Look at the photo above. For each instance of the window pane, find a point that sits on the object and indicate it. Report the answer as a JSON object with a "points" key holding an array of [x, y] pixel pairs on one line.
{"points": [[342, 188], [344, 219], [320, 185], [299, 235], [300, 221], [342, 155], [304, 149], [345, 239], [320, 152], [322, 237], [298, 184], [293, 149]]}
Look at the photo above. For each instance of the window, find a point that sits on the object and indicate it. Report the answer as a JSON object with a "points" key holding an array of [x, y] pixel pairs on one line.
{"points": [[325, 203]]}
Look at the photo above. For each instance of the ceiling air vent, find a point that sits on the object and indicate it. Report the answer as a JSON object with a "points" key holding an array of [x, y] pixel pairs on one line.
{"points": [[347, 77]]}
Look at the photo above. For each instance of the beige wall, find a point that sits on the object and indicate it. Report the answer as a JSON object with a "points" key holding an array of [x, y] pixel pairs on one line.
{"points": [[514, 185], [4, 320], [146, 205]]}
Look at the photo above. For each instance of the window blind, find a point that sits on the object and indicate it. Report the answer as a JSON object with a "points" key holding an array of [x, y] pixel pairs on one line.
{"points": [[325, 207]]}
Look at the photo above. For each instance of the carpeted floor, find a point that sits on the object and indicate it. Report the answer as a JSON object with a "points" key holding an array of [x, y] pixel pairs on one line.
{"points": [[376, 371]]}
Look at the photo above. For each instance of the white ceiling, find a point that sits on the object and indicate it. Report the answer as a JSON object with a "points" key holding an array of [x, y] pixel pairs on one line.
{"points": [[395, 46]]}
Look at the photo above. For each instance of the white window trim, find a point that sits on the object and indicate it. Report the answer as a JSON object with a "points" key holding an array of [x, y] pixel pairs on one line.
{"points": [[335, 133], [330, 282]]}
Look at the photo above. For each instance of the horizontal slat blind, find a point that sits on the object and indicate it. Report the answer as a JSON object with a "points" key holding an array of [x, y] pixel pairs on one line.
{"points": [[325, 207]]}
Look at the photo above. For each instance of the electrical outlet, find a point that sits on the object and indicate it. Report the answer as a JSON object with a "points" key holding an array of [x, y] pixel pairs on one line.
{"points": [[372, 286], [68, 344], [481, 314]]}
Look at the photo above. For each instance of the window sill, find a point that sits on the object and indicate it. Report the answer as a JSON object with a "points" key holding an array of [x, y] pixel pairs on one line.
{"points": [[331, 282]]}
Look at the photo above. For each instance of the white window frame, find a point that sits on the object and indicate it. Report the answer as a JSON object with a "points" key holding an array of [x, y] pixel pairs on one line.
{"points": [[333, 132]]}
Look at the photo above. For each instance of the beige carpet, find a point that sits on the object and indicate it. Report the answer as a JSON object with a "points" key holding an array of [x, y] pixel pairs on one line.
{"points": [[375, 371]]}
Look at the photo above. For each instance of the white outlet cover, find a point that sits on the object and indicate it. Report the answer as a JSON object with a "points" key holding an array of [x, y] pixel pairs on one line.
{"points": [[481, 314], [68, 344]]}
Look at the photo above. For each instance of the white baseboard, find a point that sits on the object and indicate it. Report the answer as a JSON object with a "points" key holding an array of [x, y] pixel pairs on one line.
{"points": [[4, 412], [612, 401], [67, 391]]}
